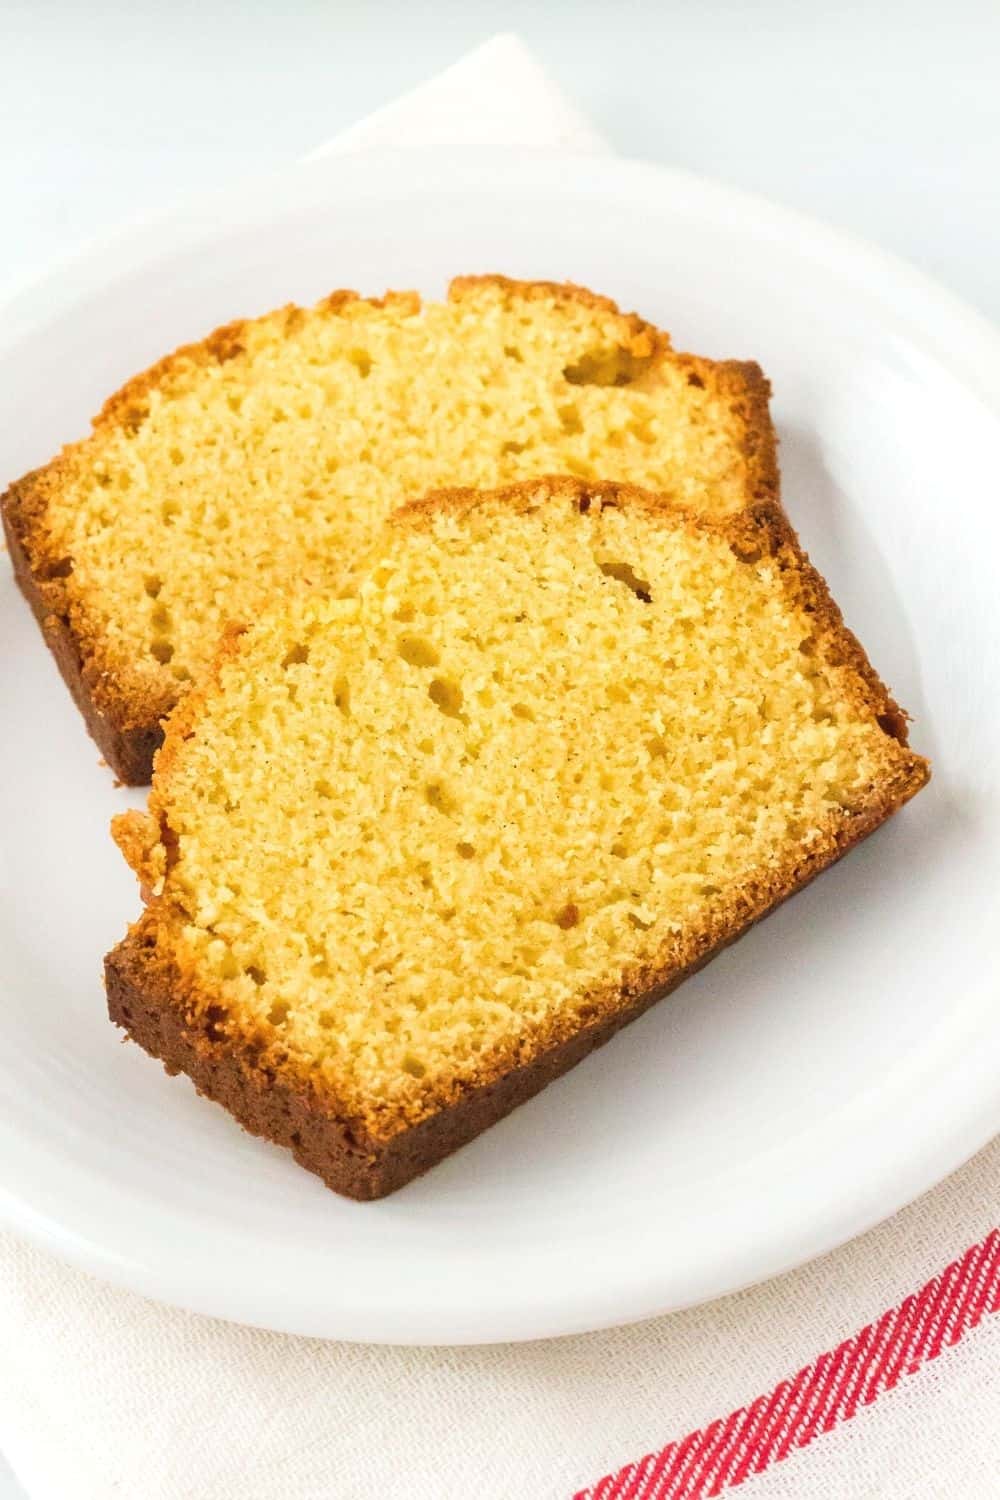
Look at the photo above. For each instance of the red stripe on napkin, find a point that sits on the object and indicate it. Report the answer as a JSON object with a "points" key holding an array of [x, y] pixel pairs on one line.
{"points": [[828, 1391]]}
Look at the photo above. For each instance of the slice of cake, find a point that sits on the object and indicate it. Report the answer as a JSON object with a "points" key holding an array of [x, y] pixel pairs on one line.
{"points": [[269, 455], [414, 852]]}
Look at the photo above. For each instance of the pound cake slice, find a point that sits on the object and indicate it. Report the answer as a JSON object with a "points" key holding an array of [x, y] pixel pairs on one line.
{"points": [[412, 853], [269, 455]]}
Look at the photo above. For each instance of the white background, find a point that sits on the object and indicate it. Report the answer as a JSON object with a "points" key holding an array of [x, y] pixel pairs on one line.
{"points": [[883, 118]]}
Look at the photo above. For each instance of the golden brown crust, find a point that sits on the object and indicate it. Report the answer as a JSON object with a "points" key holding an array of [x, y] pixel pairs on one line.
{"points": [[127, 746], [751, 396], [162, 1007], [139, 837], [129, 405], [640, 338], [532, 291]]}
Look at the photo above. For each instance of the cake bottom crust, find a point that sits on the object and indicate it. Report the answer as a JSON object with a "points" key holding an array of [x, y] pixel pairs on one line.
{"points": [[143, 1001], [129, 752]]}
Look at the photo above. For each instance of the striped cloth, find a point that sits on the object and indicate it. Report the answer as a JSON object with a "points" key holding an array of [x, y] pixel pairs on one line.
{"points": [[105, 1395], [823, 1394]]}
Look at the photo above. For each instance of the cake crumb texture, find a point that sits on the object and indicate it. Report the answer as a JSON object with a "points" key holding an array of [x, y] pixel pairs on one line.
{"points": [[556, 746], [266, 458]]}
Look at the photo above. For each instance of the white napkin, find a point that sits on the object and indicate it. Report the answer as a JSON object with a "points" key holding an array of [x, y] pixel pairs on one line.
{"points": [[104, 1394], [497, 95]]}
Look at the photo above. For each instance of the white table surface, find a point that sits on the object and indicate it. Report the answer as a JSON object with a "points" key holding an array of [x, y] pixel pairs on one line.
{"points": [[881, 118]]}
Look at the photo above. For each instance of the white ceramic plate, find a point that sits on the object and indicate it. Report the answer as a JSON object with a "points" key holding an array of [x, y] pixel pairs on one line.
{"points": [[836, 1063]]}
